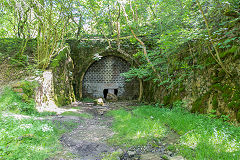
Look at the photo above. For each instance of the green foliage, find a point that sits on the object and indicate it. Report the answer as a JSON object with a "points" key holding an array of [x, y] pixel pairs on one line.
{"points": [[229, 52], [77, 114], [27, 139], [201, 137], [12, 101], [15, 50], [171, 148], [215, 102], [88, 100], [167, 99], [212, 113], [225, 118], [134, 129], [217, 86], [229, 93], [198, 105], [28, 90], [112, 156], [238, 116], [56, 61], [10, 46]]}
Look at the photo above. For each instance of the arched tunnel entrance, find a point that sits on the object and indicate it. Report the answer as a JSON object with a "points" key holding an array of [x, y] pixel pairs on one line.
{"points": [[103, 77]]}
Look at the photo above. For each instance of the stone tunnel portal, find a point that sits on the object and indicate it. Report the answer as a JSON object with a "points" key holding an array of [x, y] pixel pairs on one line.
{"points": [[103, 77]]}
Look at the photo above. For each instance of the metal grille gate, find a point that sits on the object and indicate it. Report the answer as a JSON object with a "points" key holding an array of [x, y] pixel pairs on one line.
{"points": [[105, 74]]}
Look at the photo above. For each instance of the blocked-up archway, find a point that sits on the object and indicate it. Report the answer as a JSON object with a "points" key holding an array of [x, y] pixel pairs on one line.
{"points": [[104, 77]]}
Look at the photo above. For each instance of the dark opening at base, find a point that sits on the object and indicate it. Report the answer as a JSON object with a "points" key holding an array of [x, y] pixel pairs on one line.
{"points": [[105, 92], [116, 91]]}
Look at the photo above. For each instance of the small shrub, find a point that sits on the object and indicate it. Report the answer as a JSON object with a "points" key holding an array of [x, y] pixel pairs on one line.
{"points": [[28, 89]]}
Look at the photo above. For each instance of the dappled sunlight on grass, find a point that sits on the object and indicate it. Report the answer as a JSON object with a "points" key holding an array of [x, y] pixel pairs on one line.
{"points": [[190, 140], [27, 138], [134, 130], [200, 136]]}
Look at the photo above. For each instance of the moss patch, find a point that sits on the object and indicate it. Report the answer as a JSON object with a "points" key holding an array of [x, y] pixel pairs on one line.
{"points": [[215, 102], [200, 105], [238, 116]]}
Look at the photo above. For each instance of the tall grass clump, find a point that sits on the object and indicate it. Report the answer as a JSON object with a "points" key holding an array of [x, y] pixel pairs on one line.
{"points": [[200, 136]]}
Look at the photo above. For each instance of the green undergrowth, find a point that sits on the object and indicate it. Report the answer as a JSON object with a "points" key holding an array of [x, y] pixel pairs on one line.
{"points": [[12, 101], [70, 113], [89, 100], [200, 136], [132, 129], [28, 138], [112, 156]]}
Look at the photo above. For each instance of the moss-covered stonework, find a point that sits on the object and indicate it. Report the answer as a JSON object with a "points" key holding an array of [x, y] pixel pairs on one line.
{"points": [[26, 89], [206, 86], [83, 53], [62, 67], [204, 89], [238, 116]]}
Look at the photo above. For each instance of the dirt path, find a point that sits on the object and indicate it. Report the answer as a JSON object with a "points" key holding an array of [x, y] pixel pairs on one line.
{"points": [[88, 141]]}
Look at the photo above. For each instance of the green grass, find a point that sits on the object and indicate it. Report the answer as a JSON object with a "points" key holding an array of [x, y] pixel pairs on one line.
{"points": [[90, 100], [201, 137], [44, 114], [11, 101], [112, 156], [70, 113], [27, 139], [63, 126], [131, 129]]}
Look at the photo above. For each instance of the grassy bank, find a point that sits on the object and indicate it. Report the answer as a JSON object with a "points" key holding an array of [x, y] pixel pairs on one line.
{"points": [[27, 138], [132, 129], [200, 136], [14, 102]]}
